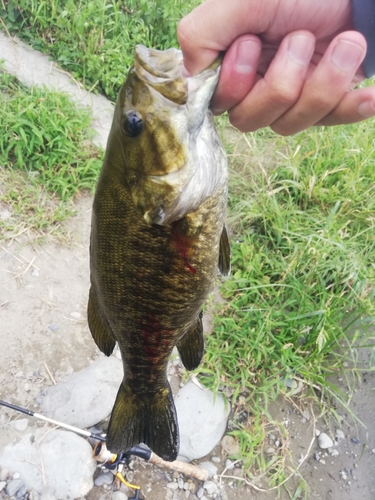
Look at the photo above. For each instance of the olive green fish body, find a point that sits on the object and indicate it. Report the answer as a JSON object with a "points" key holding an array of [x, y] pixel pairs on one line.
{"points": [[151, 272]]}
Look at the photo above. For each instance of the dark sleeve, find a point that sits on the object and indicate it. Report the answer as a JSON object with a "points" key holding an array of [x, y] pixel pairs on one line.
{"points": [[364, 22]]}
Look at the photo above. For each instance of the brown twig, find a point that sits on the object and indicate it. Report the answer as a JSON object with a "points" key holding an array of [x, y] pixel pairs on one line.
{"points": [[183, 467]]}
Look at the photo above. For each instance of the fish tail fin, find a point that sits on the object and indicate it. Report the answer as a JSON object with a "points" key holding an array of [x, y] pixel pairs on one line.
{"points": [[151, 421]]}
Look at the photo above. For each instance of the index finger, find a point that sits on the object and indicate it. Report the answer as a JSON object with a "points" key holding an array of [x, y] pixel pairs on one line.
{"points": [[215, 24]]}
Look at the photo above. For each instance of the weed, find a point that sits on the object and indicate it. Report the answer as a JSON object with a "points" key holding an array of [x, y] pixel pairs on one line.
{"points": [[45, 155], [45, 135], [95, 39]]}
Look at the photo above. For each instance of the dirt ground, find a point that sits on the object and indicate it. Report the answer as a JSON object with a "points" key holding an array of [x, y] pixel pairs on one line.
{"points": [[44, 337]]}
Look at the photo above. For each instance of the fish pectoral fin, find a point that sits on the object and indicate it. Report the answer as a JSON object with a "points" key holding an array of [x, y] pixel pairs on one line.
{"points": [[191, 346], [224, 253], [99, 327], [151, 420]]}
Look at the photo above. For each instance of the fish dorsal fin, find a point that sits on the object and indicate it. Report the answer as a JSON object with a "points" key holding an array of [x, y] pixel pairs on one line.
{"points": [[224, 253], [99, 328], [191, 346]]}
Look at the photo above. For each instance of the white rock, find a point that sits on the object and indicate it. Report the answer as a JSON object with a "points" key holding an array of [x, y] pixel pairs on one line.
{"points": [[324, 441], [87, 397], [172, 486], [4, 474], [216, 460], [200, 492], [13, 486], [67, 462], [209, 467], [119, 495], [210, 487], [340, 434], [202, 419], [106, 478], [335, 453], [2, 485], [19, 425]]}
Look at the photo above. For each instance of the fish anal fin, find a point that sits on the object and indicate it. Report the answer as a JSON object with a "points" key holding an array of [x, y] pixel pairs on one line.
{"points": [[224, 253], [152, 421], [99, 327], [191, 346]]}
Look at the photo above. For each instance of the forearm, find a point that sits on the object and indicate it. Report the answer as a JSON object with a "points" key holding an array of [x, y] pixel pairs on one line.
{"points": [[364, 22]]}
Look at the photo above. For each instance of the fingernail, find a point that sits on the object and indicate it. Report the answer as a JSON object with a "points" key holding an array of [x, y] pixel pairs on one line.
{"points": [[244, 56], [347, 55], [300, 49], [366, 109]]}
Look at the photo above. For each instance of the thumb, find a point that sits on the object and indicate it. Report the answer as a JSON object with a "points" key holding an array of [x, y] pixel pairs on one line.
{"points": [[215, 24]]}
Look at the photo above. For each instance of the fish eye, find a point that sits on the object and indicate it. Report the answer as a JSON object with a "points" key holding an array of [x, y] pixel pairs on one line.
{"points": [[133, 123]]}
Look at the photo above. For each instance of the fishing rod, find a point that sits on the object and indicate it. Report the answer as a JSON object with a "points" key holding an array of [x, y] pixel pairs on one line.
{"points": [[111, 460]]}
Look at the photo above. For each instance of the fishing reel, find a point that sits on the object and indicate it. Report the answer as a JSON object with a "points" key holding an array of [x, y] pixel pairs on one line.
{"points": [[113, 461]]}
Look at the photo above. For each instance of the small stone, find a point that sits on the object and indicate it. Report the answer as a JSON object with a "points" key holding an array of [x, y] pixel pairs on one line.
{"points": [[172, 486], [229, 464], [75, 315], [19, 425], [130, 476], [33, 495], [21, 492], [13, 486], [192, 487], [2, 485], [318, 456], [53, 327], [230, 445], [216, 460], [35, 272], [119, 495], [322, 461], [180, 483], [270, 451], [16, 475], [340, 434], [373, 451], [335, 453], [187, 493], [106, 478], [200, 492], [4, 474], [209, 467], [210, 487], [343, 475], [324, 441], [317, 432], [355, 440]]}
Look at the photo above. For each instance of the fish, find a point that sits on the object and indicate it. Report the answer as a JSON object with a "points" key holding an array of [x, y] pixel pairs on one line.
{"points": [[158, 240]]}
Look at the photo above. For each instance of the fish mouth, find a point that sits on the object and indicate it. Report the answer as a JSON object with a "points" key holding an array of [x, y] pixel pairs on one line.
{"points": [[164, 70]]}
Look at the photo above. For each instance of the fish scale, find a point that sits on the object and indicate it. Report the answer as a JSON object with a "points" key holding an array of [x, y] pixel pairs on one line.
{"points": [[150, 271]]}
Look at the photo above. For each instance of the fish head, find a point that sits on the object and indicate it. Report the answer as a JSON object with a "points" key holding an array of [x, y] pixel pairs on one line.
{"points": [[158, 116]]}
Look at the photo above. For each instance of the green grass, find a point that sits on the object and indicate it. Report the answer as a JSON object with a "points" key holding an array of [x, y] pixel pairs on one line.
{"points": [[46, 155], [94, 39], [302, 212]]}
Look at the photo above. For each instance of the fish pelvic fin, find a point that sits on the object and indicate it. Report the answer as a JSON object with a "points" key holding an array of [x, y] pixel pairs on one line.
{"points": [[151, 421], [99, 326], [191, 346], [224, 253]]}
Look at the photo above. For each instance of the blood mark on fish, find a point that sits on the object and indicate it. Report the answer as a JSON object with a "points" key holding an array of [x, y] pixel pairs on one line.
{"points": [[182, 244]]}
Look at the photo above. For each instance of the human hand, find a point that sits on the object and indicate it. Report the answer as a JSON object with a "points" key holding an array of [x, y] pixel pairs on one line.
{"points": [[289, 64]]}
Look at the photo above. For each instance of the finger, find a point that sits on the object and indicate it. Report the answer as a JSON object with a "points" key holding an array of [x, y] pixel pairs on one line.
{"points": [[281, 86], [215, 24], [356, 106], [237, 74], [327, 85]]}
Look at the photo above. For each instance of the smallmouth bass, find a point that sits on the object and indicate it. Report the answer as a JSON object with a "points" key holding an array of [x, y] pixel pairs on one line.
{"points": [[157, 240]]}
